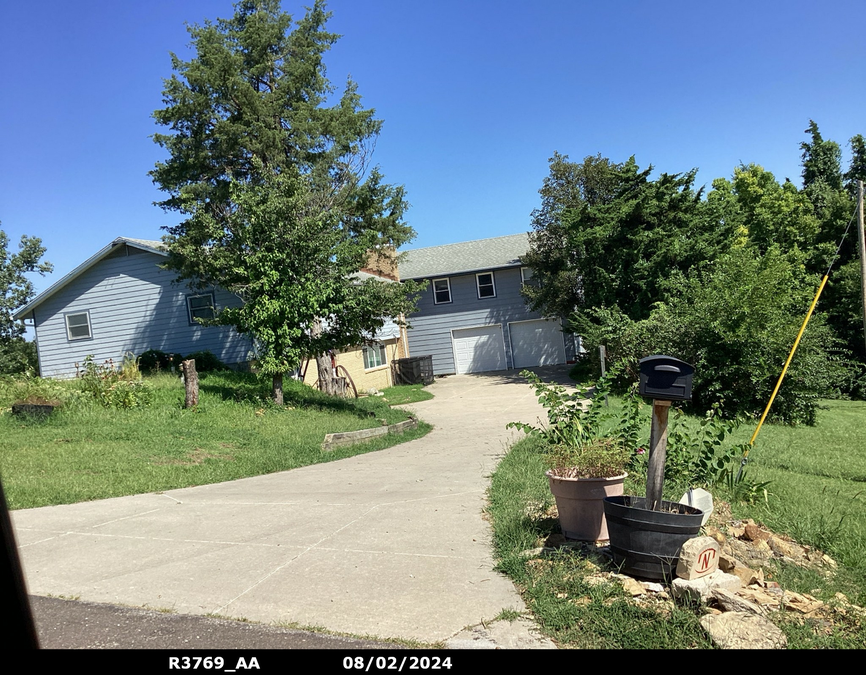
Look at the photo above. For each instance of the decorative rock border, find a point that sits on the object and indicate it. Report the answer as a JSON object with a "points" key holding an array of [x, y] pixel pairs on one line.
{"points": [[350, 437]]}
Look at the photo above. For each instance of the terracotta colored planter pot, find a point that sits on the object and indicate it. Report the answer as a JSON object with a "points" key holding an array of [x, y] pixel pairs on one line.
{"points": [[580, 502]]}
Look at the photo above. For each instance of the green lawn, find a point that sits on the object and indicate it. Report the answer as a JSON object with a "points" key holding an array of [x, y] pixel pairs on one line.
{"points": [[406, 393], [85, 451], [816, 495]]}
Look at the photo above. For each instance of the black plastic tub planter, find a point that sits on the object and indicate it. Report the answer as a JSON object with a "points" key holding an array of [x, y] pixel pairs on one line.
{"points": [[40, 410], [646, 543]]}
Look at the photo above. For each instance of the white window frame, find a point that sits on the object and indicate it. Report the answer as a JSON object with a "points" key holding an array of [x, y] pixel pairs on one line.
{"points": [[69, 336], [381, 354], [492, 285], [523, 278], [189, 307], [448, 284]]}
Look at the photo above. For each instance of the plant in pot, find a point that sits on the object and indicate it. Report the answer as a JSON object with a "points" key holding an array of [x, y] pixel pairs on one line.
{"points": [[587, 456]]}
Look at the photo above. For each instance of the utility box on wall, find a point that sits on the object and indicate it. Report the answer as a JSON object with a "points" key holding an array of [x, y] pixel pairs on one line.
{"points": [[665, 378]]}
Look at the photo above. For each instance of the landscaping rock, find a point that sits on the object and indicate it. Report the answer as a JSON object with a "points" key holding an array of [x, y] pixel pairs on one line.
{"points": [[731, 602], [753, 532], [633, 587], [747, 575], [702, 588], [743, 630], [749, 553], [698, 558]]}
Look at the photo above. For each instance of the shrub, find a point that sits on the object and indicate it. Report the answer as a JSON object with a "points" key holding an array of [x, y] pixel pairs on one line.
{"points": [[205, 362], [735, 321], [114, 386], [154, 361]]}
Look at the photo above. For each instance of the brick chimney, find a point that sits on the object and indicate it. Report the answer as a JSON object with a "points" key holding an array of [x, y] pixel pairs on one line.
{"points": [[383, 263]]}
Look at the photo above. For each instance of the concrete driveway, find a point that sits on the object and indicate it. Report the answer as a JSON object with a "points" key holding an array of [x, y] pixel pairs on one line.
{"points": [[391, 544]]}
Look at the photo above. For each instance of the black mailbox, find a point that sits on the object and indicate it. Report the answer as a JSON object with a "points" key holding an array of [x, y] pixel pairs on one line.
{"points": [[666, 378]]}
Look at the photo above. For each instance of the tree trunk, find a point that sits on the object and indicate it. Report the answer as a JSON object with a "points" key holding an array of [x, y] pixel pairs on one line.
{"points": [[190, 381], [277, 389], [326, 375]]}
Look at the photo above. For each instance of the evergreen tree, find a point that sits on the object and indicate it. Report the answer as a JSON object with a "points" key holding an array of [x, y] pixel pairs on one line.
{"points": [[274, 185]]}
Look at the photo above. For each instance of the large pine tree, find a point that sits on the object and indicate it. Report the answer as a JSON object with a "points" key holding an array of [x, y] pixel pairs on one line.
{"points": [[271, 174]]}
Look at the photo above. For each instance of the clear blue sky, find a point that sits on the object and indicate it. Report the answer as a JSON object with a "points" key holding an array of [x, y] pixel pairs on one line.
{"points": [[476, 95]]}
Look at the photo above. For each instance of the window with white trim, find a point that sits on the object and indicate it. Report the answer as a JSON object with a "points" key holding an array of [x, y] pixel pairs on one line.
{"points": [[441, 291], [200, 307], [527, 277], [374, 356], [78, 326], [486, 287]]}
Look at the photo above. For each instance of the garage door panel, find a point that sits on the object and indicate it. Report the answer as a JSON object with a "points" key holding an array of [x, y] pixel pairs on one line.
{"points": [[478, 350], [536, 343]]}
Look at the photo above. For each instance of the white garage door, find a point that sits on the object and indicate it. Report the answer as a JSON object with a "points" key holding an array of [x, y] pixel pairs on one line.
{"points": [[478, 349], [536, 343]]}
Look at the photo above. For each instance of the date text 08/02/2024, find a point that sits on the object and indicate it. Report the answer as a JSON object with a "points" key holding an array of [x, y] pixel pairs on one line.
{"points": [[362, 663]]}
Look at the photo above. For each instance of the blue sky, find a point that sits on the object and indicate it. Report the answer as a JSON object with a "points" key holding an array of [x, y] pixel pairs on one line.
{"points": [[476, 95]]}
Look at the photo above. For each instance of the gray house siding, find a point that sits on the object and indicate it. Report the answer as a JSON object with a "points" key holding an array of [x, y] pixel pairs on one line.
{"points": [[133, 306], [432, 324]]}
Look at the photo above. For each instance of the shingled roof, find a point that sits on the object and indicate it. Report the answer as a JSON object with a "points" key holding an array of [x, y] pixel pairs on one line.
{"points": [[465, 257]]}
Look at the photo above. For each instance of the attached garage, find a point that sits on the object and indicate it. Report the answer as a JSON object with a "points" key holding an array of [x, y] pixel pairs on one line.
{"points": [[478, 349], [536, 343]]}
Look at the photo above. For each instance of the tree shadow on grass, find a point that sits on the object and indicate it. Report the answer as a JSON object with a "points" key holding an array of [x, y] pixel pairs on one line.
{"points": [[248, 388]]}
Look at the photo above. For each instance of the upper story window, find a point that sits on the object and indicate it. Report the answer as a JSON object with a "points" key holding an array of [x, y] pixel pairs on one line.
{"points": [[486, 287], [441, 291], [527, 277], [78, 326], [200, 307]]}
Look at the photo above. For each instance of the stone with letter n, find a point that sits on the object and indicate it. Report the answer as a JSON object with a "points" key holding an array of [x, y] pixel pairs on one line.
{"points": [[698, 558]]}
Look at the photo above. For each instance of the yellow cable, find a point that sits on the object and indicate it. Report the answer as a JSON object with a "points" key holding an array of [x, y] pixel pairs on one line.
{"points": [[787, 363]]}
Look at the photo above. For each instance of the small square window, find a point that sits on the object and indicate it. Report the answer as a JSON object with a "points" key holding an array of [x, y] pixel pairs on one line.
{"points": [[441, 291], [200, 307], [486, 288], [374, 356], [78, 326]]}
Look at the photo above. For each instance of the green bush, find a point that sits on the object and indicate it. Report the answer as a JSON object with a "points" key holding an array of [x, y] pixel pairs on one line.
{"points": [[734, 320], [205, 362], [154, 361], [114, 386]]}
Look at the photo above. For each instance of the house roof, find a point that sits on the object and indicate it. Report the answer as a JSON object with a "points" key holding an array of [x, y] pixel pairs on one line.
{"points": [[146, 244], [465, 257], [149, 245]]}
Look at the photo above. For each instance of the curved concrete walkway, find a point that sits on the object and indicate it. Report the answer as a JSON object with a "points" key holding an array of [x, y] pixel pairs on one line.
{"points": [[391, 544]]}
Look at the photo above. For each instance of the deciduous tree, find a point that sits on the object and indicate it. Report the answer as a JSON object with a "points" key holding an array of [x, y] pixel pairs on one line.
{"points": [[16, 290]]}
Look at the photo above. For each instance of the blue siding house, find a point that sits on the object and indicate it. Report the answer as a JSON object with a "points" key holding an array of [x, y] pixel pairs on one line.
{"points": [[120, 301], [471, 317]]}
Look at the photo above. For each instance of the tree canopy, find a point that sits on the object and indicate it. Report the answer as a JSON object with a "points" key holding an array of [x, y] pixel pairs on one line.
{"points": [[16, 290], [271, 172], [647, 265]]}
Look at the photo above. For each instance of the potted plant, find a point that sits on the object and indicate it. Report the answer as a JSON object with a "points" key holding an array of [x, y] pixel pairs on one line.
{"points": [[586, 455]]}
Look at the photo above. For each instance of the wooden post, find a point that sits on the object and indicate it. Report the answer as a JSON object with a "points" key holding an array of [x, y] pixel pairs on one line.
{"points": [[602, 355], [861, 240], [190, 381], [655, 478]]}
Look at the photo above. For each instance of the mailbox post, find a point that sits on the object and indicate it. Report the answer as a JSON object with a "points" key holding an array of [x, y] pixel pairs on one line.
{"points": [[664, 379]]}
